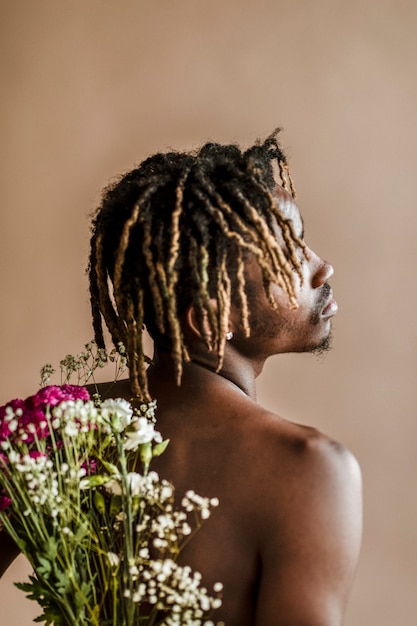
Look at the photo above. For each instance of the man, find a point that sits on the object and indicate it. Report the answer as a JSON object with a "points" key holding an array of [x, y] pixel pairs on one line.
{"points": [[206, 252]]}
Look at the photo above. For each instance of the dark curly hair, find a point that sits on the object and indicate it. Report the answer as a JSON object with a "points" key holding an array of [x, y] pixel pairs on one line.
{"points": [[174, 232]]}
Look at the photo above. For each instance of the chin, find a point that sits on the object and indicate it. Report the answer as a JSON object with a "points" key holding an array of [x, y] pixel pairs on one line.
{"points": [[323, 347]]}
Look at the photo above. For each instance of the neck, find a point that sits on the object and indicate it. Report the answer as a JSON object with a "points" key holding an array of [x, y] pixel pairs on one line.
{"points": [[244, 381], [238, 373]]}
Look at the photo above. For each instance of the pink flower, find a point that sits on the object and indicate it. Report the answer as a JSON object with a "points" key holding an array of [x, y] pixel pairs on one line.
{"points": [[23, 420], [35, 454], [5, 502], [90, 466], [7, 424], [54, 395], [13, 404]]}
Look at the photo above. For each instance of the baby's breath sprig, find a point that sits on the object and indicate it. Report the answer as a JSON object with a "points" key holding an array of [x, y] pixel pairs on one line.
{"points": [[46, 372], [80, 369]]}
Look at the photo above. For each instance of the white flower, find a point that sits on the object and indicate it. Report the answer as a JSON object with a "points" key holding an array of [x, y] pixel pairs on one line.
{"points": [[119, 412], [71, 429], [141, 431], [134, 483], [14, 457], [134, 571], [114, 560], [12, 425], [114, 486], [137, 597]]}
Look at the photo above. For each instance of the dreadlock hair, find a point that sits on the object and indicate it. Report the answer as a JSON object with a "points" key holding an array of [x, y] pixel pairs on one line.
{"points": [[175, 232]]}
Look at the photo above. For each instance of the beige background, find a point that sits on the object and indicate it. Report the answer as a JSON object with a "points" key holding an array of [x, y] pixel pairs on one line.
{"points": [[90, 86]]}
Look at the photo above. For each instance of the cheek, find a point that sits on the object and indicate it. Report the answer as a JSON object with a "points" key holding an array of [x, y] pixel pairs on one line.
{"points": [[302, 285], [267, 322]]}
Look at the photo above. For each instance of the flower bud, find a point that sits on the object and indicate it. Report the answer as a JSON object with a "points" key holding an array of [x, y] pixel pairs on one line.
{"points": [[99, 502], [115, 505]]}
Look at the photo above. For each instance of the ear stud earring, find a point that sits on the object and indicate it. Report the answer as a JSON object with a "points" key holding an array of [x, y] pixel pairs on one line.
{"points": [[229, 335]]}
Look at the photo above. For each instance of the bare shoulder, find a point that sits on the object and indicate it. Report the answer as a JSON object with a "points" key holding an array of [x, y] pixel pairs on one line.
{"points": [[301, 449], [310, 525], [305, 451], [311, 471]]}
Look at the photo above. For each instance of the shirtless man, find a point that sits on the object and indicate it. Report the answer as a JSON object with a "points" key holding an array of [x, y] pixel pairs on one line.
{"points": [[207, 252]]}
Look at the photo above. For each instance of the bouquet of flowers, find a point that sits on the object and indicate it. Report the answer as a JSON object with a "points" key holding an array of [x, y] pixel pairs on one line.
{"points": [[99, 528]]}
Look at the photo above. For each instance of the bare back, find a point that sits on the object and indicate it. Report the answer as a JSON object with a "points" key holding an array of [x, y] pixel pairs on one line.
{"points": [[285, 538]]}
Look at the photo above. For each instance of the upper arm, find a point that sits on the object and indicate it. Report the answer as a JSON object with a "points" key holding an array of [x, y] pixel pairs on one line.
{"points": [[310, 551]]}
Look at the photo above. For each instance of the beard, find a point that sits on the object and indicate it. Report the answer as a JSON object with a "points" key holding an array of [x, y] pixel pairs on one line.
{"points": [[315, 318], [323, 348], [268, 323]]}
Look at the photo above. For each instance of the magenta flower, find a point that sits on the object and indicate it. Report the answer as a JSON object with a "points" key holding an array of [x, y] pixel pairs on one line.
{"points": [[54, 395], [90, 466], [25, 420], [7, 423], [5, 502], [35, 454]]}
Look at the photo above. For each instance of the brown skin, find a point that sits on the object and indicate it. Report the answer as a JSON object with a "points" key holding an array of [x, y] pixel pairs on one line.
{"points": [[285, 538]]}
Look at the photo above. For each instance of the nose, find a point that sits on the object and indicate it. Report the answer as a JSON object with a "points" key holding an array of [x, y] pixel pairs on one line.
{"points": [[322, 272]]}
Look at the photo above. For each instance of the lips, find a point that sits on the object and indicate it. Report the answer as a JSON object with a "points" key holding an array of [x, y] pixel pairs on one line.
{"points": [[330, 308]]}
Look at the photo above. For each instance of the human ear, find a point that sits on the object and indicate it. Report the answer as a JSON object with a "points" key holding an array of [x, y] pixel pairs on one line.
{"points": [[197, 324]]}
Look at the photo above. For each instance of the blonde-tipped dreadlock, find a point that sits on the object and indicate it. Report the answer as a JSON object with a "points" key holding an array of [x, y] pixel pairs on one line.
{"points": [[175, 232]]}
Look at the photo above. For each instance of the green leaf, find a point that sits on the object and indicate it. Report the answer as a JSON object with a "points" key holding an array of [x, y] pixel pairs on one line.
{"points": [[99, 502], [51, 548], [82, 530], [45, 567], [160, 448], [63, 585]]}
